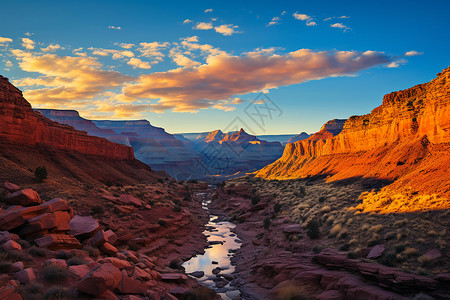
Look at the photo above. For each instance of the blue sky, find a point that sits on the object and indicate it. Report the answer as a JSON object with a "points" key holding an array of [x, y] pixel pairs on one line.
{"points": [[191, 67]]}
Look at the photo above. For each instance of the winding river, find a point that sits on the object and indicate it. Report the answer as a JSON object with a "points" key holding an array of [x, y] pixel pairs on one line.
{"points": [[215, 262]]}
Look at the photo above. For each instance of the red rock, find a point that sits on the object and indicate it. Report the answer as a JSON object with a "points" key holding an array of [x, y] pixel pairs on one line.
{"points": [[83, 226], [26, 197], [111, 237], [433, 254], [10, 219], [129, 285], [58, 241], [169, 296], [129, 199], [100, 279], [11, 187], [56, 262], [62, 219], [118, 263], [98, 239], [55, 204], [20, 125], [11, 245], [294, 228], [376, 251], [9, 293], [125, 209], [107, 295], [4, 236], [140, 274], [79, 271], [25, 276], [174, 277], [17, 267], [330, 295], [109, 249]]}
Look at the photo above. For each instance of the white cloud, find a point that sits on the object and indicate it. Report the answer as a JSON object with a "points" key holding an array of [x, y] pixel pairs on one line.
{"points": [[328, 19], [343, 17], [191, 39], [226, 29], [137, 63], [274, 21], [28, 33], [153, 49], [203, 26], [340, 25], [52, 48], [116, 54], [115, 27], [413, 53], [187, 21], [28, 43], [302, 17], [311, 23], [283, 12], [5, 40], [208, 10], [397, 63], [8, 63], [125, 45]]}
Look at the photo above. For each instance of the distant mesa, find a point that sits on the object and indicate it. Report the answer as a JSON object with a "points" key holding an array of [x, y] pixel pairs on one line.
{"points": [[299, 137]]}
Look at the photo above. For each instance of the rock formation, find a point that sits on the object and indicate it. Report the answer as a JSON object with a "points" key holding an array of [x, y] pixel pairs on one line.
{"points": [[19, 124], [404, 140], [299, 137]]}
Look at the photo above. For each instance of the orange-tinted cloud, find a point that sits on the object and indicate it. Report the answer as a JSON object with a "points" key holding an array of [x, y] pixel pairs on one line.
{"points": [[222, 76], [65, 78]]}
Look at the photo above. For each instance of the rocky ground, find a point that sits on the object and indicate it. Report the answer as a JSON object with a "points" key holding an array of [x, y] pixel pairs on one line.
{"points": [[292, 246], [103, 242]]}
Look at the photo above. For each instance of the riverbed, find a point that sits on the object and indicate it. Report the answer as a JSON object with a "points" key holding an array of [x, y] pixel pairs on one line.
{"points": [[215, 262]]}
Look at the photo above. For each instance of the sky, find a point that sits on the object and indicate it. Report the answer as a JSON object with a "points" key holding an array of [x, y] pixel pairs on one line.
{"points": [[271, 67]]}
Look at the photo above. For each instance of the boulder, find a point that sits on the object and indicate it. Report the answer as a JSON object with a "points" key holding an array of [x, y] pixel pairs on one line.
{"points": [[118, 263], [55, 262], [109, 249], [376, 251], [102, 278], [294, 228], [11, 245], [11, 218], [140, 274], [197, 274], [8, 292], [108, 295], [129, 285], [58, 241], [98, 239], [26, 197], [25, 276], [129, 199], [433, 254], [79, 271], [55, 204], [111, 237], [174, 277], [4, 236], [83, 226], [11, 187], [17, 267]]}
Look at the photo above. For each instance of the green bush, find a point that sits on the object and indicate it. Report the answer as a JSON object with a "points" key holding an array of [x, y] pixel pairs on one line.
{"points": [[313, 229], [40, 173], [54, 273]]}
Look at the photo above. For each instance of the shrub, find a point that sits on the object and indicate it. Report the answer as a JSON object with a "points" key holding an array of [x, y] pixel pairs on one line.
{"points": [[40, 173], [75, 261], [322, 199], [389, 259], [97, 210], [36, 251], [267, 223], [352, 255], [24, 244], [14, 255], [313, 229], [294, 291], [32, 290], [400, 247], [54, 273], [176, 208], [57, 293], [255, 199], [390, 236], [162, 222], [277, 207], [175, 264], [160, 180], [316, 249], [335, 230], [344, 247], [5, 266]]}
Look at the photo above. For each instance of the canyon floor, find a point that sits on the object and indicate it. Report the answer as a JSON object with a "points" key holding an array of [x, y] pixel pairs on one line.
{"points": [[310, 239]]}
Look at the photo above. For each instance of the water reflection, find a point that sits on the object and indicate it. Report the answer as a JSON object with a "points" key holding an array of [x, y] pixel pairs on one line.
{"points": [[222, 242]]}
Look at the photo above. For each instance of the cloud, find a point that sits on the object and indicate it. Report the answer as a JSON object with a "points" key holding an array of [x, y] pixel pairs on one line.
{"points": [[116, 54], [274, 21], [28, 43], [311, 23], [328, 19], [191, 39], [137, 63], [397, 63], [343, 17], [203, 26], [8, 63], [340, 25], [182, 60], [52, 48], [65, 80], [153, 49], [413, 53], [187, 21], [237, 101], [226, 29], [222, 76], [4, 40], [302, 17], [208, 10], [125, 45], [28, 33], [115, 27]]}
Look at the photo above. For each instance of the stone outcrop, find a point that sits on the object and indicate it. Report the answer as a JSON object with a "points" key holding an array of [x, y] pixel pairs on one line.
{"points": [[299, 137], [407, 135], [20, 125]]}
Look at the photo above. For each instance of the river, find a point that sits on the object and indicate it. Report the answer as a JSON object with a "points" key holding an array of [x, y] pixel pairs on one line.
{"points": [[215, 262]]}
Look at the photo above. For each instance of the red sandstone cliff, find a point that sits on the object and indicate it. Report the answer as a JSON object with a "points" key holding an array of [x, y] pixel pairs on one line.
{"points": [[20, 125], [405, 140]]}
